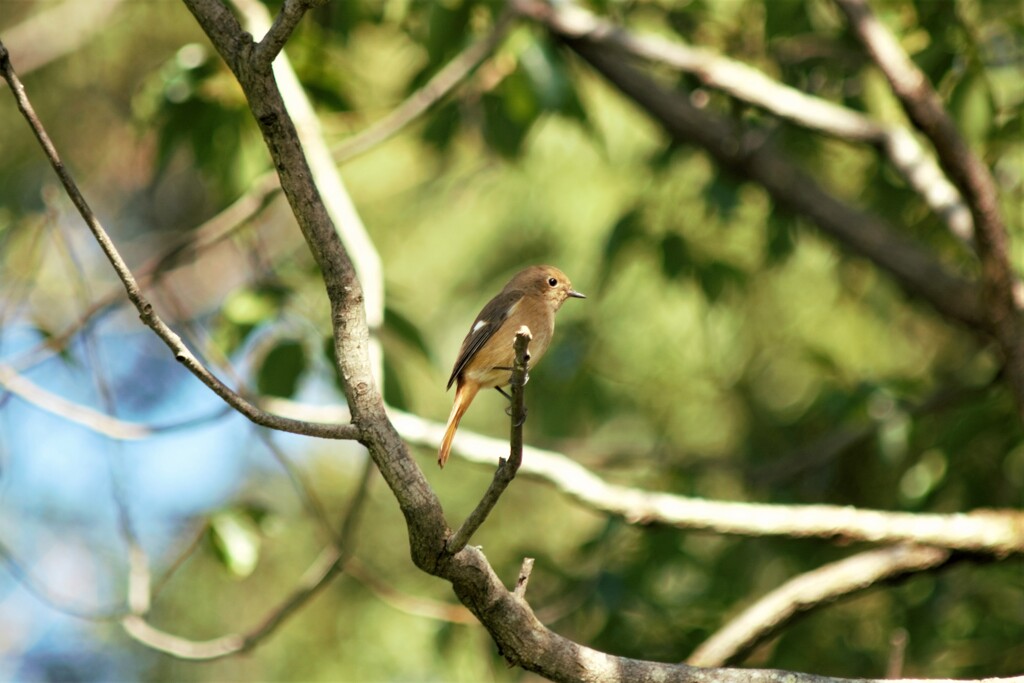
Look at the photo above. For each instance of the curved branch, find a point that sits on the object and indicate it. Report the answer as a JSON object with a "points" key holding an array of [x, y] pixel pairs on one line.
{"points": [[147, 313], [1004, 314], [748, 155], [414, 106], [991, 532], [747, 84], [807, 591]]}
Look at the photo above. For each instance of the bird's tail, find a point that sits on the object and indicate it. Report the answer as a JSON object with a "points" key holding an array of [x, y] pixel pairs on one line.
{"points": [[464, 395]]}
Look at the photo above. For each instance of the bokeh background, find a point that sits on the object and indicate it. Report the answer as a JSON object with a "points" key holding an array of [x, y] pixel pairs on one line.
{"points": [[726, 349]]}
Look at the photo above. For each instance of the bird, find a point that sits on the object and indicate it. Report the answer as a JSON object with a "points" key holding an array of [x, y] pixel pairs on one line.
{"points": [[531, 298]]}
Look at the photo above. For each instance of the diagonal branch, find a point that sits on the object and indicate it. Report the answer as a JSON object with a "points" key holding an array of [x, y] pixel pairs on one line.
{"points": [[808, 591], [749, 85], [1004, 314], [748, 155], [414, 106], [507, 469], [287, 19], [146, 311]]}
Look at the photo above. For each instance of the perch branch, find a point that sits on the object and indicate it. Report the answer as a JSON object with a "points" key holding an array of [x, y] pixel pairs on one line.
{"points": [[277, 35], [507, 469]]}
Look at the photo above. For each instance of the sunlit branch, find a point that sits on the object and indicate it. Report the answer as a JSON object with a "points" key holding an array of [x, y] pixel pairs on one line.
{"points": [[747, 84], [748, 154], [809, 591]]}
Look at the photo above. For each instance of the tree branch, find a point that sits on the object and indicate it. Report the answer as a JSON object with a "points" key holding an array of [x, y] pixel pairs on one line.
{"points": [[991, 532], [810, 590], [507, 469], [1004, 315], [748, 155], [146, 311], [414, 106], [277, 35], [747, 84]]}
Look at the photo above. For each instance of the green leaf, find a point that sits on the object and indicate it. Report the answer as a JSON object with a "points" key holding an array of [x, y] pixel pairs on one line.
{"points": [[717, 277], [676, 260], [282, 368], [236, 541], [973, 108], [504, 133], [780, 238], [628, 229], [722, 195]]}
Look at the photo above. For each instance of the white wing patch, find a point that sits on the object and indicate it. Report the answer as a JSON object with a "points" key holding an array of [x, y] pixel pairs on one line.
{"points": [[479, 326]]}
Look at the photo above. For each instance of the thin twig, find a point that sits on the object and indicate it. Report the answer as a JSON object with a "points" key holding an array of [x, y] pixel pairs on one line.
{"points": [[277, 35], [146, 311], [61, 604], [328, 564], [436, 89], [507, 469], [811, 590], [524, 577]]}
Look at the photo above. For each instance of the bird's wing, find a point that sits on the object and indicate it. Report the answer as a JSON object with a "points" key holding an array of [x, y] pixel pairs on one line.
{"points": [[486, 324]]}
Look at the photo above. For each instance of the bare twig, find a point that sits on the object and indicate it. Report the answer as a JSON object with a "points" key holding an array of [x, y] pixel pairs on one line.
{"points": [[61, 604], [808, 591], [1003, 313], [507, 469], [327, 565], [403, 602], [146, 311], [524, 578], [753, 87]]}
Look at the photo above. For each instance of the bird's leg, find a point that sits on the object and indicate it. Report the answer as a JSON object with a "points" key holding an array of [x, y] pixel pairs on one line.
{"points": [[508, 410]]}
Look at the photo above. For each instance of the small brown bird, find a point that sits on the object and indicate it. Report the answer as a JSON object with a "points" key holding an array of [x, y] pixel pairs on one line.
{"points": [[530, 298]]}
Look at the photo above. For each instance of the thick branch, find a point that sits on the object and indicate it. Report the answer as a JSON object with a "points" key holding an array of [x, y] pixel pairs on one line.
{"points": [[923, 105], [807, 591], [507, 469]]}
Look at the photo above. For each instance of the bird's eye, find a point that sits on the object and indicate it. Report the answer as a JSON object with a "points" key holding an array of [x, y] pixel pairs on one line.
{"points": [[552, 281]]}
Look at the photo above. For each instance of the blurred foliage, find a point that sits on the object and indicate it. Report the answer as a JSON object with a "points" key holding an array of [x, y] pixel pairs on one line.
{"points": [[726, 350]]}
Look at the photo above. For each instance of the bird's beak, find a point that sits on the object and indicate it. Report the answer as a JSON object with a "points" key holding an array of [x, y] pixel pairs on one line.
{"points": [[576, 295]]}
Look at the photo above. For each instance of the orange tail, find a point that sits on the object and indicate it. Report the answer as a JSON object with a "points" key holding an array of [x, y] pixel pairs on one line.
{"points": [[465, 392]]}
